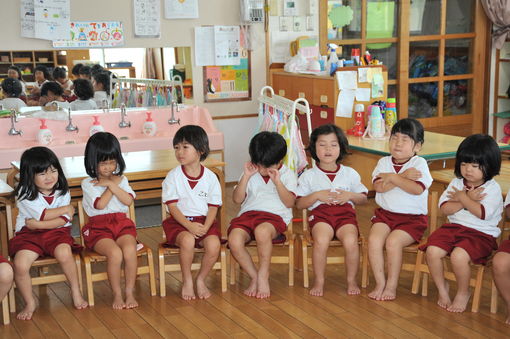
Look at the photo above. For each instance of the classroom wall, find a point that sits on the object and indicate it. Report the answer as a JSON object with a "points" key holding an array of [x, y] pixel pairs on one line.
{"points": [[173, 33]]}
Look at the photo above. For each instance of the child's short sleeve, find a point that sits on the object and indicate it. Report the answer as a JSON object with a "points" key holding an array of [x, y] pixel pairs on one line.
{"points": [[444, 197], [378, 169], [303, 188], [289, 180], [169, 194], [124, 184], [91, 192], [214, 198], [356, 184], [65, 200], [492, 201], [423, 167], [31, 209]]}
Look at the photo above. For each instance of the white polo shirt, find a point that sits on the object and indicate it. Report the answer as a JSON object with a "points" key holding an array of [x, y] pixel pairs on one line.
{"points": [[492, 207], [316, 179], [263, 196], [35, 209], [92, 193], [397, 200], [192, 195]]}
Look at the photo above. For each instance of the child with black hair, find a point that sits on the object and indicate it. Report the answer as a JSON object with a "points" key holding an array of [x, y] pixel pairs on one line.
{"points": [[101, 84], [15, 72], [192, 194], [96, 68], [85, 93], [473, 203], [75, 71], [501, 265], [401, 181], [51, 93], [330, 190], [41, 75], [11, 89], [266, 192], [85, 72], [60, 76], [43, 224], [107, 196]]}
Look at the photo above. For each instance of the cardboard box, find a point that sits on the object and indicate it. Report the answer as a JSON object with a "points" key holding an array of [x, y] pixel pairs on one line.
{"points": [[22, 60]]}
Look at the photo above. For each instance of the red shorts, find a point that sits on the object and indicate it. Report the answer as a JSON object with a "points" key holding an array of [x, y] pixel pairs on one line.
{"points": [[477, 244], [335, 216], [42, 242], [172, 229], [413, 224], [504, 246], [4, 261], [248, 221], [107, 226]]}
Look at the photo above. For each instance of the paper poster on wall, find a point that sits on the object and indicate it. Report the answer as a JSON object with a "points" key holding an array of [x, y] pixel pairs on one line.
{"points": [[90, 34], [217, 45], [181, 9], [228, 83], [146, 18], [27, 18], [204, 46], [347, 79], [51, 19], [345, 103]]}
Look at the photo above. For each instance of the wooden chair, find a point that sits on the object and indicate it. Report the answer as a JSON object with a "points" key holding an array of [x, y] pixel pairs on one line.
{"points": [[494, 290], [307, 241], [44, 277], [5, 310], [422, 272], [90, 257], [280, 242], [173, 252]]}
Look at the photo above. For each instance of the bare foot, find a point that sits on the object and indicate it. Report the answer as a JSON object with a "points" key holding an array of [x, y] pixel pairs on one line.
{"points": [[263, 290], [353, 288], [389, 293], [376, 292], [317, 289], [118, 302], [131, 301], [459, 303], [78, 301], [27, 312], [444, 300], [202, 290], [251, 291], [187, 292], [507, 320]]}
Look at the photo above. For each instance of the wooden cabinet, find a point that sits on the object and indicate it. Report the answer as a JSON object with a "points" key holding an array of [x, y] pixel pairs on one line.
{"points": [[501, 89], [28, 60]]}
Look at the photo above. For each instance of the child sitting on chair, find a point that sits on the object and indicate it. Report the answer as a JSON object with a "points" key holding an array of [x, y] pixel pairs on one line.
{"points": [[473, 203], [330, 190], [192, 194], [501, 265], [266, 194]]}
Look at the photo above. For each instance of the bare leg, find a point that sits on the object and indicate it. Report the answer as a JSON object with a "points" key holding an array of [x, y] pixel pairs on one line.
{"points": [[501, 273], [237, 241], [186, 242], [435, 257], [376, 240], [460, 263], [23, 260], [127, 244], [212, 250], [264, 234], [348, 235], [395, 243], [65, 258], [322, 234], [6, 278], [113, 254]]}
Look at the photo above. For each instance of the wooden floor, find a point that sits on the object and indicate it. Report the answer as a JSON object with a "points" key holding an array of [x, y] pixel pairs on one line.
{"points": [[290, 312]]}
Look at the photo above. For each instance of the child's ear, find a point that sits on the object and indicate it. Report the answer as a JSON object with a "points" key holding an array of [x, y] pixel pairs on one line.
{"points": [[417, 147]]}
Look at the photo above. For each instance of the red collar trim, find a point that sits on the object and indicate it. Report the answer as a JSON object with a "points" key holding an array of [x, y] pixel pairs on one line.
{"points": [[470, 187], [193, 178], [399, 164], [330, 172]]}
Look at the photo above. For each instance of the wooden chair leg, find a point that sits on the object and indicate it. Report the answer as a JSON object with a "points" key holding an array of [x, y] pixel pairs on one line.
{"points": [[233, 263], [291, 262], [364, 265], [306, 278], [162, 278], [417, 272], [152, 275], [478, 289], [12, 300], [90, 283], [78, 269], [494, 298], [425, 285], [5, 311], [223, 259]]}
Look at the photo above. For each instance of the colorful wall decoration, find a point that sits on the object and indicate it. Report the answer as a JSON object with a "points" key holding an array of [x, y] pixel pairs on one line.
{"points": [[90, 34]]}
